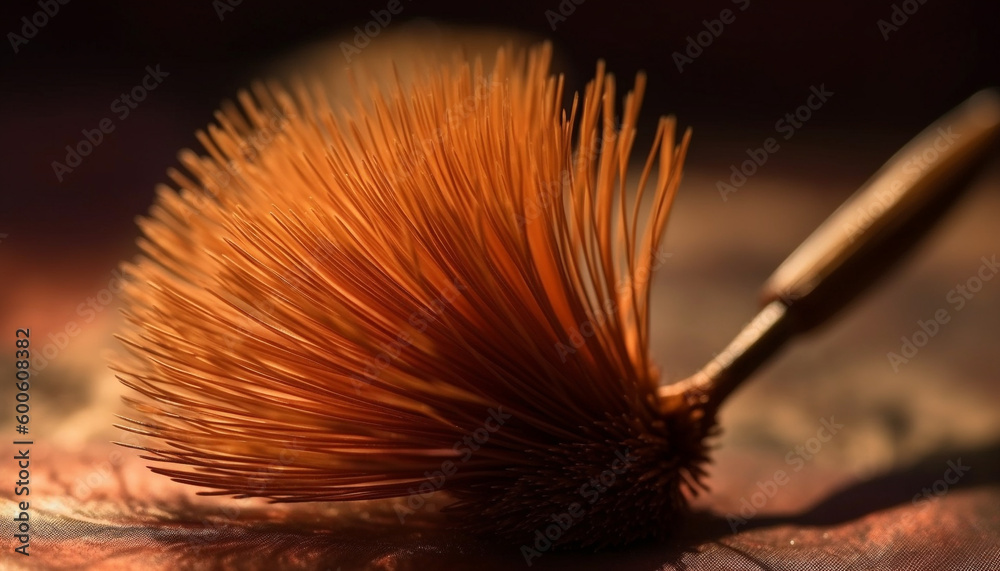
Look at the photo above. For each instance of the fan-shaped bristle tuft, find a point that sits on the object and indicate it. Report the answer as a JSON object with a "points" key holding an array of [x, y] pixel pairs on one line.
{"points": [[450, 276]]}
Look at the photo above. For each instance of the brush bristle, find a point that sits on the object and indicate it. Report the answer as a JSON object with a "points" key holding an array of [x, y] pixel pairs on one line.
{"points": [[341, 305]]}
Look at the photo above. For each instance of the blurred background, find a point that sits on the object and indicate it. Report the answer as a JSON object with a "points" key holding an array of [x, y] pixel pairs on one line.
{"points": [[730, 69], [887, 83]]}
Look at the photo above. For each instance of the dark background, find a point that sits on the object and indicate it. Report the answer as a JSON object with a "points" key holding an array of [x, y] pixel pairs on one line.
{"points": [[761, 67]]}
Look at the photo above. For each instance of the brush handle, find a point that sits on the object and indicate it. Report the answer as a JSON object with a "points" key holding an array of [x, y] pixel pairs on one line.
{"points": [[916, 177], [855, 246]]}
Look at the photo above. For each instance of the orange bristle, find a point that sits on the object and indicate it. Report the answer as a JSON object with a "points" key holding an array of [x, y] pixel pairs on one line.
{"points": [[372, 287]]}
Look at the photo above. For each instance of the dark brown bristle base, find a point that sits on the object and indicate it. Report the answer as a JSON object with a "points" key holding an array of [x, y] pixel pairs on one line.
{"points": [[625, 479]]}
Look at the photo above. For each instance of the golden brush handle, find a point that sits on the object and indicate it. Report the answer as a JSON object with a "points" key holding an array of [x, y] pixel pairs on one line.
{"points": [[854, 246], [922, 172]]}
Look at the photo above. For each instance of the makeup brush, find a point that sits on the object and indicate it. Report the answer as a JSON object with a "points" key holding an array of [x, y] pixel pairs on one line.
{"points": [[437, 290]]}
